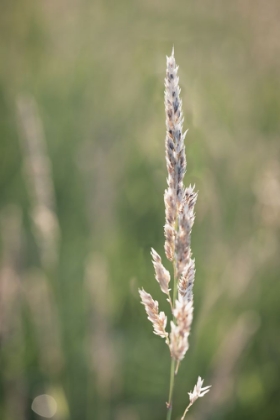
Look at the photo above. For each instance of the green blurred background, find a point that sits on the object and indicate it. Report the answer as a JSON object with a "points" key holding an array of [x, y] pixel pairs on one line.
{"points": [[82, 176]]}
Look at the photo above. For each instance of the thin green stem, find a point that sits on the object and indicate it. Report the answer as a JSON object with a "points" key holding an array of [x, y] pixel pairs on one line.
{"points": [[177, 367], [170, 302], [171, 387], [185, 412], [175, 283], [173, 362]]}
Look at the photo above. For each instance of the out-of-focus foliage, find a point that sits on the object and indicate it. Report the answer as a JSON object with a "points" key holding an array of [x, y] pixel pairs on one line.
{"points": [[72, 326]]}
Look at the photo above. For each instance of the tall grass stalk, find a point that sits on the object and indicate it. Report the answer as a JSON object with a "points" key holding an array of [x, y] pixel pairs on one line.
{"points": [[179, 218], [38, 176]]}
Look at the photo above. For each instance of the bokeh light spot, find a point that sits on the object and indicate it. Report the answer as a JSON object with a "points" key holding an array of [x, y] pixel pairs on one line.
{"points": [[44, 405]]}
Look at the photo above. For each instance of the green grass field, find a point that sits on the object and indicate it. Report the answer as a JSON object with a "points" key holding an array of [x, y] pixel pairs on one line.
{"points": [[78, 225]]}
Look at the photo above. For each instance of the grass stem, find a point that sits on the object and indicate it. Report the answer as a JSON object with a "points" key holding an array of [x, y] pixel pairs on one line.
{"points": [[171, 388]]}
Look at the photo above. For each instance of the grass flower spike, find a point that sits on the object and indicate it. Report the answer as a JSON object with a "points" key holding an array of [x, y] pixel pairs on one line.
{"points": [[179, 219]]}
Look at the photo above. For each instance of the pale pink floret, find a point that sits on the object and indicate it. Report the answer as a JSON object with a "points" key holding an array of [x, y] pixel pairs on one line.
{"points": [[186, 282], [179, 344], [159, 320], [185, 224], [198, 391], [162, 275], [183, 313]]}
